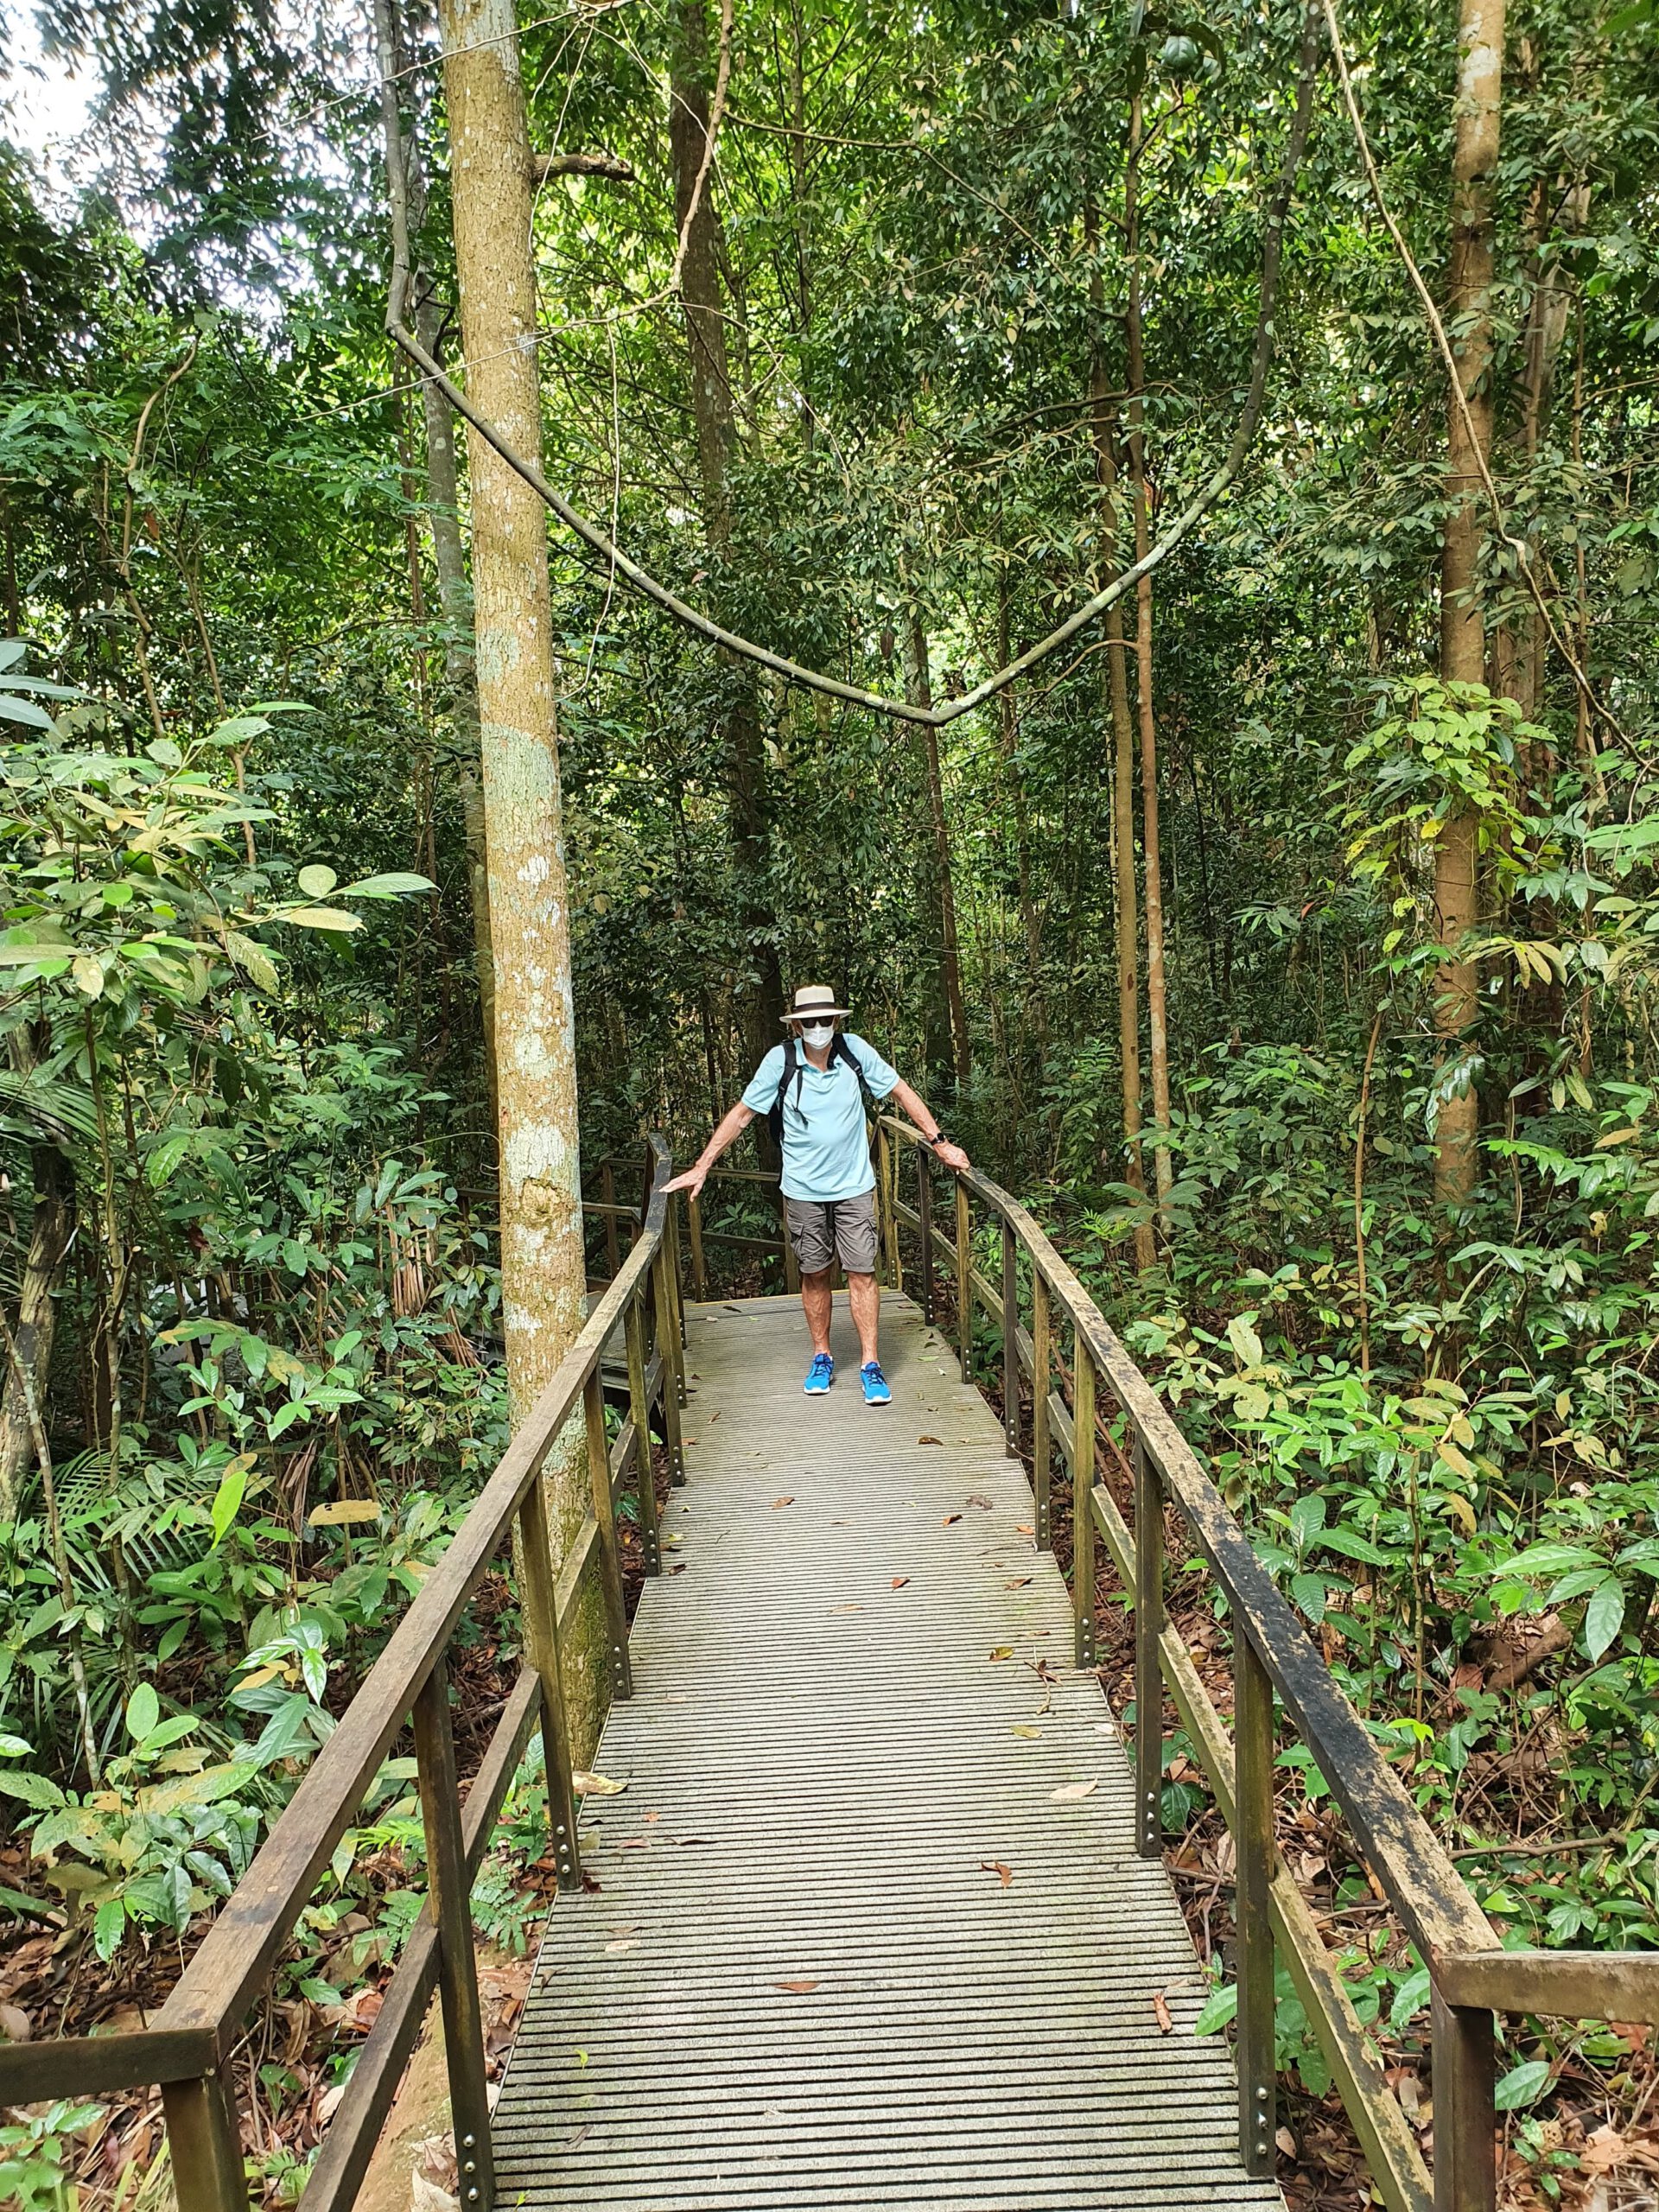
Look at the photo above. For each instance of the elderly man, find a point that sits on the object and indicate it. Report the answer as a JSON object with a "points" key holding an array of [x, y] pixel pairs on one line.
{"points": [[813, 1088]]}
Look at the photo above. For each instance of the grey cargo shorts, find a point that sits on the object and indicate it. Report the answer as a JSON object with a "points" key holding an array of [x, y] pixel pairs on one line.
{"points": [[824, 1231]]}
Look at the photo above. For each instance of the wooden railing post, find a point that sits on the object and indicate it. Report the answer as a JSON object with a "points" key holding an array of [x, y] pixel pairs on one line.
{"points": [[1148, 1658], [925, 1217], [607, 1192], [964, 1282], [610, 1563], [1254, 1843], [204, 2144], [885, 1170], [1041, 1445], [639, 1413], [669, 1249], [1466, 2120], [666, 1326], [542, 1625], [1010, 1341], [694, 1221], [1083, 1506], [448, 1887]]}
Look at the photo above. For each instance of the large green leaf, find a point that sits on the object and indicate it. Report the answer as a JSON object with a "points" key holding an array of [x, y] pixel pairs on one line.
{"points": [[1522, 2085], [1219, 2008], [1548, 1558], [394, 886], [1352, 1545], [211, 1787], [321, 917], [1603, 1616], [34, 1788]]}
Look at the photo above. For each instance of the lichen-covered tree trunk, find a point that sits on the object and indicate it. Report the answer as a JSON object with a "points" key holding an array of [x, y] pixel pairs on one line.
{"points": [[443, 518], [541, 1268], [1463, 630]]}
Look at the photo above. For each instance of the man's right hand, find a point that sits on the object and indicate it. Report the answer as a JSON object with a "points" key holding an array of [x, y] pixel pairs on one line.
{"points": [[692, 1180]]}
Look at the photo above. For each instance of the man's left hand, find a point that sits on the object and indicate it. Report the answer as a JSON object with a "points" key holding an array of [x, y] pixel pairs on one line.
{"points": [[952, 1155]]}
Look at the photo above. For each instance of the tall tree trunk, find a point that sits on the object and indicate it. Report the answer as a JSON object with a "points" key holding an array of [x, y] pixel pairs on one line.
{"points": [[404, 166], [1546, 330], [542, 1272], [1463, 639], [37, 1312], [704, 299], [1520, 643], [1030, 916], [1126, 898], [942, 906], [797, 148], [1157, 1008]]}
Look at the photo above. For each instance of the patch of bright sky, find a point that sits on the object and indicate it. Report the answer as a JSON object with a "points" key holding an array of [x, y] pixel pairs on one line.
{"points": [[45, 108]]}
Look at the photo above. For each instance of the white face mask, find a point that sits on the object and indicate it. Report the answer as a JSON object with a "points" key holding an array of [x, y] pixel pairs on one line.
{"points": [[818, 1034]]}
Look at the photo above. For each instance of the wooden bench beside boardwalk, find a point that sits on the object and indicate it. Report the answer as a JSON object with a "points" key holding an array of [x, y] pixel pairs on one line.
{"points": [[807, 1980], [870, 1928]]}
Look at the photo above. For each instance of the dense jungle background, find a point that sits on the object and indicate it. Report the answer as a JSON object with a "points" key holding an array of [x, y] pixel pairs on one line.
{"points": [[1289, 940]]}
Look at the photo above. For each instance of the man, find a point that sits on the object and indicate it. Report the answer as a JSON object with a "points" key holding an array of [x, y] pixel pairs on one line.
{"points": [[813, 1089]]}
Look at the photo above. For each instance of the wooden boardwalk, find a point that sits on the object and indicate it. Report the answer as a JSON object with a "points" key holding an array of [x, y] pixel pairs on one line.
{"points": [[869, 1928]]}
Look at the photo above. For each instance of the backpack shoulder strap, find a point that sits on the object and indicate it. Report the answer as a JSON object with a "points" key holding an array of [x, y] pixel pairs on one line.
{"points": [[841, 1049], [775, 1114]]}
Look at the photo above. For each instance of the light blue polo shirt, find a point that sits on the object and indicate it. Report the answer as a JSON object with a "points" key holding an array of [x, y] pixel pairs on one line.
{"points": [[826, 1147]]}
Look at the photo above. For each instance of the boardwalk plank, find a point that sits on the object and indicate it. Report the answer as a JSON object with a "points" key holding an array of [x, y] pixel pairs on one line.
{"points": [[824, 1786]]}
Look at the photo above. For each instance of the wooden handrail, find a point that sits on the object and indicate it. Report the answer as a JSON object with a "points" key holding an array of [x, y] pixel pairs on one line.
{"points": [[187, 2048], [1473, 1976]]}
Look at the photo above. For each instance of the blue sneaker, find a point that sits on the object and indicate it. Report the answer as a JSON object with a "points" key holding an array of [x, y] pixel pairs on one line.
{"points": [[820, 1375], [876, 1392]]}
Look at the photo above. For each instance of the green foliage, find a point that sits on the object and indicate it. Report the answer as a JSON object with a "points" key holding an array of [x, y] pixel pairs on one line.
{"points": [[32, 2152]]}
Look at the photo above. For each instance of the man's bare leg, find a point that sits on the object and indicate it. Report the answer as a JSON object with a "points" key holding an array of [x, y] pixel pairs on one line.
{"points": [[816, 1303], [865, 1299]]}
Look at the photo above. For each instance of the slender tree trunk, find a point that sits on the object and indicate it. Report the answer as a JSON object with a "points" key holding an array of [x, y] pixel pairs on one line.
{"points": [[942, 910], [703, 298], [542, 1267], [1030, 915], [1126, 899], [36, 1319], [454, 600], [443, 518], [1522, 677], [797, 146], [1520, 643], [1583, 742], [1157, 1009], [1463, 638]]}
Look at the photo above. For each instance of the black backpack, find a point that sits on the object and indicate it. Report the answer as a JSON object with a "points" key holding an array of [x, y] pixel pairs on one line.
{"points": [[839, 1050]]}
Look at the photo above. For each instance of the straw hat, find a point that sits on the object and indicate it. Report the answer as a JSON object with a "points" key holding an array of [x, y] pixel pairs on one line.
{"points": [[812, 1002]]}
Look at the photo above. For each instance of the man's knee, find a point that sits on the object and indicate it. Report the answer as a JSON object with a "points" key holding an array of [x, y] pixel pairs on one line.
{"points": [[817, 1278], [859, 1281]]}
